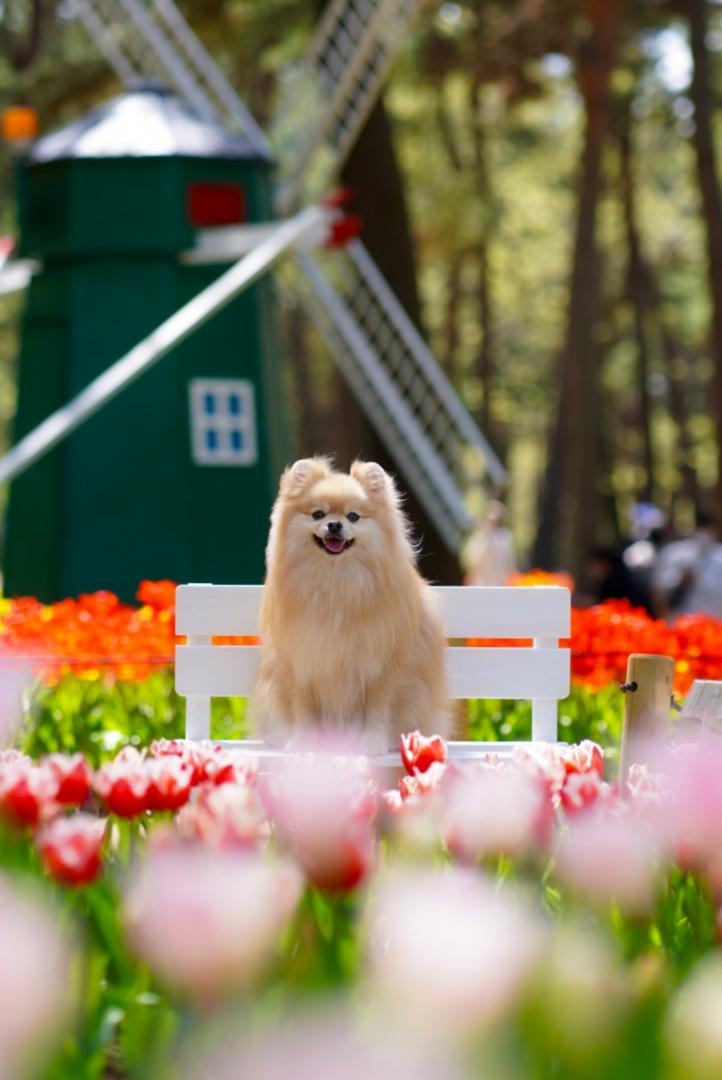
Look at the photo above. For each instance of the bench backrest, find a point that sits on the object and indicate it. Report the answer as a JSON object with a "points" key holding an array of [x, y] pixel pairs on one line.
{"points": [[539, 673]]}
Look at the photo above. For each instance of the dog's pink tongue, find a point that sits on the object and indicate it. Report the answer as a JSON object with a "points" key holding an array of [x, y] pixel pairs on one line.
{"points": [[334, 544]]}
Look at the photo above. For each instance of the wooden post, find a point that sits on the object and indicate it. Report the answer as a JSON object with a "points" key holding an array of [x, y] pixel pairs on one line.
{"points": [[648, 695]]}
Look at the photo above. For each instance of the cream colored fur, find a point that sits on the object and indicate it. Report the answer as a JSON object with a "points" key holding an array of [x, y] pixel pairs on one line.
{"points": [[352, 643]]}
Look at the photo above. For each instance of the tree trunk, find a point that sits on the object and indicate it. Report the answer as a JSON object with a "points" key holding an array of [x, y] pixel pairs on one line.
{"points": [[567, 517], [678, 408], [653, 338], [639, 294], [454, 296], [701, 94], [486, 359]]}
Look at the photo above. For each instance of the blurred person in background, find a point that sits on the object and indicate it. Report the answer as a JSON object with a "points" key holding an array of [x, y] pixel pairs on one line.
{"points": [[650, 532], [612, 579], [488, 558], [688, 574]]}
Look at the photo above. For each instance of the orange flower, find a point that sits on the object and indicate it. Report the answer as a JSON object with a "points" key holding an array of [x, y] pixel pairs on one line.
{"points": [[541, 577], [159, 595], [604, 636], [93, 636], [97, 636]]}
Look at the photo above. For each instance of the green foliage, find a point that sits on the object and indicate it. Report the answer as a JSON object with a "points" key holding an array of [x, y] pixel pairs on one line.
{"points": [[585, 714], [98, 718]]}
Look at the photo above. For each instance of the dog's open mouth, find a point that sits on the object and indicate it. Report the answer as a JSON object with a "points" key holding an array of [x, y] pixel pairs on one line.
{"points": [[334, 545]]}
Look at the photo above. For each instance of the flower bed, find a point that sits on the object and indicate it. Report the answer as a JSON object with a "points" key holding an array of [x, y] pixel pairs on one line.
{"points": [[169, 911], [98, 637], [177, 913], [105, 678]]}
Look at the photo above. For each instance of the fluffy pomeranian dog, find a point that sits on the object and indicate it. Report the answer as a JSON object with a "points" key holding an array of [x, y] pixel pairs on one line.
{"points": [[353, 646]]}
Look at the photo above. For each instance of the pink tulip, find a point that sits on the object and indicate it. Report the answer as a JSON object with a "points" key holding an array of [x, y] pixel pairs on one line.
{"points": [[491, 812], [70, 848], [608, 857], [207, 923], [225, 815], [691, 775], [544, 761], [323, 809], [34, 979], [447, 952], [572, 774]]}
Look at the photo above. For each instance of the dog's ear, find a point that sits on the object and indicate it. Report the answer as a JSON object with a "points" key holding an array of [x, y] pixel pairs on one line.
{"points": [[302, 473], [373, 479]]}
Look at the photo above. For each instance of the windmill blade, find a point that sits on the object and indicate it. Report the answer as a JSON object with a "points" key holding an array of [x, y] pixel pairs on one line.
{"points": [[400, 386], [150, 40], [326, 103]]}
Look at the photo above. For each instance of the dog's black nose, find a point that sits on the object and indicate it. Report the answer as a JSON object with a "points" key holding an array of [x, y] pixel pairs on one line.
{"points": [[334, 527]]}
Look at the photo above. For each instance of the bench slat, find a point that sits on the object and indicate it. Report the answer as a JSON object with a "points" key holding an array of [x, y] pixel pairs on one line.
{"points": [[506, 612], [230, 671], [456, 751]]}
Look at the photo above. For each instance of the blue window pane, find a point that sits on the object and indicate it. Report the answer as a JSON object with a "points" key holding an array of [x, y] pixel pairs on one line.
{"points": [[237, 440], [235, 404], [211, 440], [209, 404]]}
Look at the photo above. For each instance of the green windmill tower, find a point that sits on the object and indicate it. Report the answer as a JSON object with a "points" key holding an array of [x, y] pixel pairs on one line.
{"points": [[169, 479]]}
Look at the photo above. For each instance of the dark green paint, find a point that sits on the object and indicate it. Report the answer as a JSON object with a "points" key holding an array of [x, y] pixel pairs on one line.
{"points": [[121, 500]]}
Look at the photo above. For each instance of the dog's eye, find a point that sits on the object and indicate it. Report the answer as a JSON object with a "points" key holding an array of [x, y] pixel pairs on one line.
{"points": [[353, 516], [317, 515]]}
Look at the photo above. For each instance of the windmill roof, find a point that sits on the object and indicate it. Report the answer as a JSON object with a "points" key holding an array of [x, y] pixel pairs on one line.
{"points": [[147, 121]]}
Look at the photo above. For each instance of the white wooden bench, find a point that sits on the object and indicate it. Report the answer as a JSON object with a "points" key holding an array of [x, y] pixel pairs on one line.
{"points": [[539, 674]]}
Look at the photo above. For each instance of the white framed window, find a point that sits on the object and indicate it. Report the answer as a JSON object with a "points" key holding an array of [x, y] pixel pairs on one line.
{"points": [[223, 422]]}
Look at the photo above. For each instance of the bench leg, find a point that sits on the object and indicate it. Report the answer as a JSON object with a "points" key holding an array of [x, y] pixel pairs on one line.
{"points": [[198, 718], [543, 720]]}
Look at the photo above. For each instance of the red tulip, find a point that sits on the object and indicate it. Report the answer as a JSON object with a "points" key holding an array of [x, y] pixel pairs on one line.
{"points": [[70, 848], [209, 761], [27, 791], [419, 752], [422, 783], [582, 790], [123, 784], [170, 781], [584, 757], [73, 775]]}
